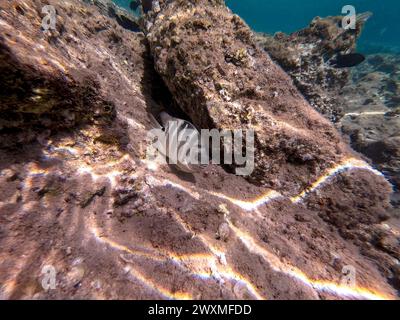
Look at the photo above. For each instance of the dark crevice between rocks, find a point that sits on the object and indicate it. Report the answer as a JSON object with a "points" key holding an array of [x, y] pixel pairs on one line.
{"points": [[157, 95], [159, 98]]}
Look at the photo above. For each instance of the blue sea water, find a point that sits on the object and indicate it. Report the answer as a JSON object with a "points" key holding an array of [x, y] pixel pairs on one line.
{"points": [[381, 32], [380, 35]]}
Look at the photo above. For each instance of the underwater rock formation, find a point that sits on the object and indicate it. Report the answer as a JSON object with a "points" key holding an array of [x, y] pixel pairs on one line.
{"points": [[220, 77], [372, 119], [42, 89], [124, 18], [114, 225], [361, 101], [376, 135], [304, 55]]}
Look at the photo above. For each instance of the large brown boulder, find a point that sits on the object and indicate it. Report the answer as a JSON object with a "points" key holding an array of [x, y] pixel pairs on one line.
{"points": [[221, 79]]}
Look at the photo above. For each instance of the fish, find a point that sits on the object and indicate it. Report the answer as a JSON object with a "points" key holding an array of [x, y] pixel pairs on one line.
{"points": [[147, 5], [134, 5], [180, 136], [339, 60], [346, 60], [187, 136]]}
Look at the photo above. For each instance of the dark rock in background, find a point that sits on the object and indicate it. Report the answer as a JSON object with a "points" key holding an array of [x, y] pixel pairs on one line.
{"points": [[304, 55]]}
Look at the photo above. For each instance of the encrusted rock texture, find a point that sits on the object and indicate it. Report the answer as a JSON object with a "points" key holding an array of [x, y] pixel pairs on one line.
{"points": [[372, 119], [221, 78], [363, 102], [305, 54], [124, 18], [39, 90], [80, 196]]}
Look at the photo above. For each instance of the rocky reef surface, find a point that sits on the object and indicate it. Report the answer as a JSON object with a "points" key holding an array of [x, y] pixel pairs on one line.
{"points": [[372, 119], [304, 55], [78, 194], [363, 102], [124, 18]]}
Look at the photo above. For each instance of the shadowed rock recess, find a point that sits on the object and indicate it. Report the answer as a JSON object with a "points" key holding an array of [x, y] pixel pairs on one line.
{"points": [[77, 193]]}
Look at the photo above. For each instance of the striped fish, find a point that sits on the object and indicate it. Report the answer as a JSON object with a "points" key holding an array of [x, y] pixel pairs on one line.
{"points": [[182, 144]]}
